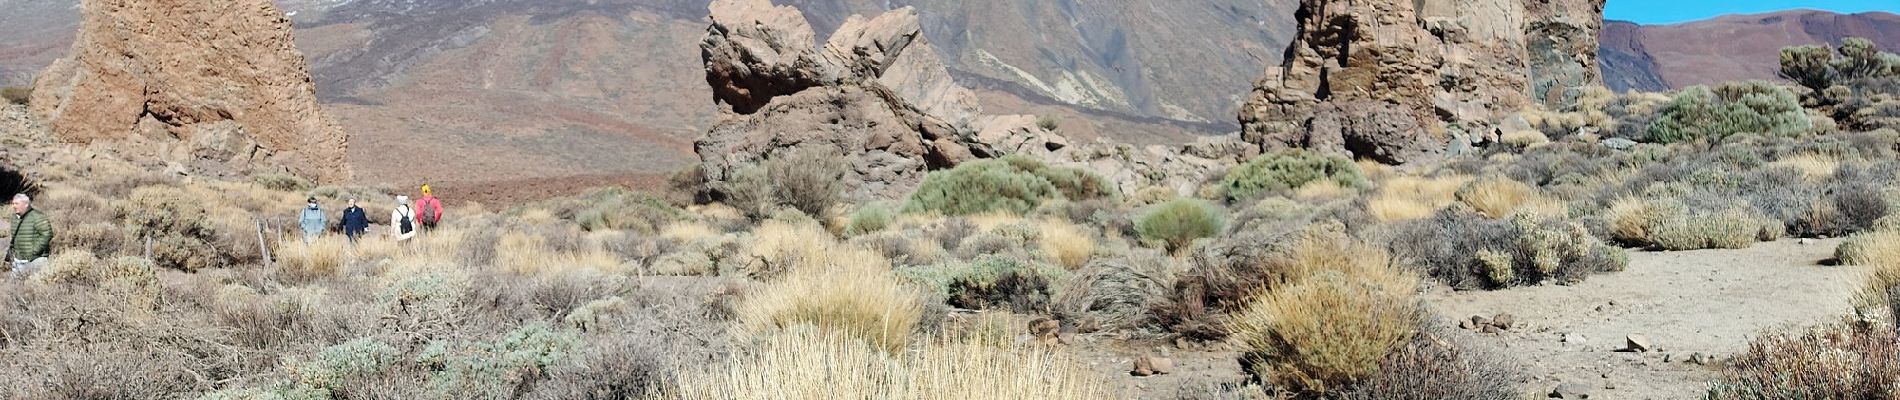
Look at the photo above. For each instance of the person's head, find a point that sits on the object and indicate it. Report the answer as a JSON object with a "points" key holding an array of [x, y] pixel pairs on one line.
{"points": [[402, 200], [313, 202], [22, 202], [426, 191], [352, 202]]}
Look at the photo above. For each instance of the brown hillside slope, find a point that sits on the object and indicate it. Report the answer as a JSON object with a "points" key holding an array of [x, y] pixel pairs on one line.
{"points": [[1728, 48]]}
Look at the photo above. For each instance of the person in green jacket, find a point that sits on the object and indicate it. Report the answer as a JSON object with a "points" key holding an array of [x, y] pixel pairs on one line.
{"points": [[32, 238]]}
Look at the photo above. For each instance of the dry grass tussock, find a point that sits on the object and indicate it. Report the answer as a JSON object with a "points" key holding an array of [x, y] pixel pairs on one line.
{"points": [[1499, 197], [839, 289], [1406, 198], [527, 253], [1343, 309], [322, 258], [803, 364], [1323, 190], [687, 231], [1064, 243], [1816, 167]]}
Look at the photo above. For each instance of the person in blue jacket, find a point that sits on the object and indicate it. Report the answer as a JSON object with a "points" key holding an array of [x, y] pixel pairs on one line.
{"points": [[355, 221]]}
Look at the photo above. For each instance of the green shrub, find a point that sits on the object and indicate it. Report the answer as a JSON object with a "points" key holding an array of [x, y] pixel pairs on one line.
{"points": [[1818, 68], [809, 178], [991, 282], [1286, 170], [1469, 251], [620, 209], [1832, 362], [871, 218], [1014, 184], [1700, 113], [1177, 223], [496, 369], [333, 365], [283, 182], [16, 95]]}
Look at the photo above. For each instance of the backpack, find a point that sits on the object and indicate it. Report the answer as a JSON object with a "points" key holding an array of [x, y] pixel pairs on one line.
{"points": [[407, 225], [429, 215]]}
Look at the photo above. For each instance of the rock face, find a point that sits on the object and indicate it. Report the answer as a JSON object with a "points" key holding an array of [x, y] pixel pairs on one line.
{"points": [[1727, 48], [223, 77], [1396, 80], [875, 92]]}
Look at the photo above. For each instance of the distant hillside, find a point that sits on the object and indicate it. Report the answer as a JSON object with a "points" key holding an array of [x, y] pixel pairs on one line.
{"points": [[506, 90], [1735, 47]]}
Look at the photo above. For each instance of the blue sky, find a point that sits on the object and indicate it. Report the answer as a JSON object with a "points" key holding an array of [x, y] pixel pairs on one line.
{"points": [[1673, 11]]}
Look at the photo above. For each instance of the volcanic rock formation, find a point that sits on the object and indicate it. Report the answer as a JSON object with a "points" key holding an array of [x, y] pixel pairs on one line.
{"points": [[875, 92], [1396, 80], [223, 76]]}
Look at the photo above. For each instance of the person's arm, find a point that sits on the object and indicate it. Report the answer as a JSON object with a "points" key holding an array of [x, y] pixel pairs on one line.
{"points": [[45, 228]]}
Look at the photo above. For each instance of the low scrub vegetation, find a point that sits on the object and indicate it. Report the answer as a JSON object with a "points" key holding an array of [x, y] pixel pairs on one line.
{"points": [[1013, 184], [1177, 223], [1287, 170]]}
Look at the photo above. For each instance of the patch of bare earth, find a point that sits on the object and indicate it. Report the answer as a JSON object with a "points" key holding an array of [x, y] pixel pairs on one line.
{"points": [[1707, 301]]}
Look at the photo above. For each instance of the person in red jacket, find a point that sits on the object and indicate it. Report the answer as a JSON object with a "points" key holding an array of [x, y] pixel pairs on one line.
{"points": [[428, 209]]}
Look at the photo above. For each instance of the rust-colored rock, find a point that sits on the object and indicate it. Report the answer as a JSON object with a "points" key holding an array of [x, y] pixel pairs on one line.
{"points": [[1449, 66], [222, 76]]}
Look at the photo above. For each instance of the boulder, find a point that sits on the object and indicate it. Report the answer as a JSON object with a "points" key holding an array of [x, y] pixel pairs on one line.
{"points": [[1397, 80], [223, 76], [875, 92]]}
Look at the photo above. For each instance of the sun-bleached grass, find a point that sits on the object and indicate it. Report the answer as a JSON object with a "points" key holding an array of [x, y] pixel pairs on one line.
{"points": [[1407, 198], [529, 254], [321, 258], [1524, 139], [1340, 309], [1816, 167], [803, 364], [1499, 197], [686, 231], [853, 294], [1064, 243]]}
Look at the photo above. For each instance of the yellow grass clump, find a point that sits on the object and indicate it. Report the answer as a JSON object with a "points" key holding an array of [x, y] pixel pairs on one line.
{"points": [[529, 254], [1066, 244], [1406, 198], [854, 295], [1499, 197], [1524, 138], [803, 364], [1341, 309], [686, 231], [1812, 166], [323, 257]]}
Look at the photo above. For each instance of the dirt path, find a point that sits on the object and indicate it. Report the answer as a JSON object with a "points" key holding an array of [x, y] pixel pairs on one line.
{"points": [[1707, 301]]}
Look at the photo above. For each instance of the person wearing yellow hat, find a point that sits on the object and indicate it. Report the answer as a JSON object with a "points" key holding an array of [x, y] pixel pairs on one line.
{"points": [[429, 208]]}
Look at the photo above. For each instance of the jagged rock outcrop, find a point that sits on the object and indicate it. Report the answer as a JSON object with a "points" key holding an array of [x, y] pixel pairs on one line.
{"points": [[222, 77], [875, 92], [1397, 80]]}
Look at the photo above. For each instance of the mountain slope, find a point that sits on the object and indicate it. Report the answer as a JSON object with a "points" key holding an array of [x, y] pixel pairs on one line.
{"points": [[1727, 48]]}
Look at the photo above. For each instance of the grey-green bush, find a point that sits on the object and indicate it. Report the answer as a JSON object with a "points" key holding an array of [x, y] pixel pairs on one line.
{"points": [[1177, 223], [1014, 184], [1700, 112], [1286, 170]]}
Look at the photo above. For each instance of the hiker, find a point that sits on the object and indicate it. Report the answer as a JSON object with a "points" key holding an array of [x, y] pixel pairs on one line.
{"points": [[32, 238], [312, 221], [402, 220], [355, 221], [430, 207]]}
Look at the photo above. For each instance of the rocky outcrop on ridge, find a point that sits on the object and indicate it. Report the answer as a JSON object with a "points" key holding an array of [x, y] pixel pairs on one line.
{"points": [[875, 92], [221, 77], [1396, 81]]}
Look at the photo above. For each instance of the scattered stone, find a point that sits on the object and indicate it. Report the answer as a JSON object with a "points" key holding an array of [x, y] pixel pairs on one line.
{"points": [[1805, 241], [1480, 320], [1044, 327], [1504, 321], [1619, 143], [1638, 344], [1467, 325], [1493, 329], [1570, 391], [1701, 359], [1152, 365], [1575, 338]]}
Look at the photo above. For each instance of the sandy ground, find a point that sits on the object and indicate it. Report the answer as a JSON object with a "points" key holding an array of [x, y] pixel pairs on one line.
{"points": [[1706, 301]]}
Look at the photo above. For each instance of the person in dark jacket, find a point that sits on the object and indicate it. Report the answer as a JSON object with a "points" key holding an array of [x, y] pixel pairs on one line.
{"points": [[32, 238], [355, 221]]}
